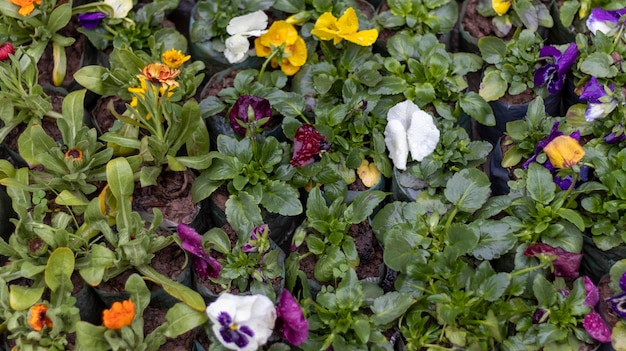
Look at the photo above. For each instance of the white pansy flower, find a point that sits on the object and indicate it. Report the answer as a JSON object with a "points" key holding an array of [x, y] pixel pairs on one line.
{"points": [[120, 7], [409, 130], [242, 323], [240, 29]]}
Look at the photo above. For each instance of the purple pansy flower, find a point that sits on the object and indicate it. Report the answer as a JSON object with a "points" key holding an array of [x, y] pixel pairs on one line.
{"points": [[618, 302], [600, 103], [615, 137], [205, 265], [593, 295], [555, 66], [247, 110], [90, 20], [308, 146], [562, 182], [242, 323], [605, 21], [596, 327], [291, 322], [540, 316], [258, 239], [565, 264]]}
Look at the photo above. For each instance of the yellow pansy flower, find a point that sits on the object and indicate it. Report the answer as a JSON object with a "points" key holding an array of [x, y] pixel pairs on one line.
{"points": [[501, 6], [174, 58], [328, 27], [282, 36], [564, 151], [369, 173]]}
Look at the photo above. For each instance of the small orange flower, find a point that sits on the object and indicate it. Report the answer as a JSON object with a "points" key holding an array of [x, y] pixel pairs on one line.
{"points": [[157, 72], [37, 318], [120, 314], [75, 154], [174, 58], [26, 6]]}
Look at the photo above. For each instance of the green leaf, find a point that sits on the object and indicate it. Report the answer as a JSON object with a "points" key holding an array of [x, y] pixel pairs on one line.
{"points": [[468, 189], [59, 269], [493, 288], [477, 107], [389, 85], [492, 87], [23, 297], [461, 238], [91, 337], [120, 178], [72, 121], [363, 205], [496, 239], [218, 238], [349, 292], [177, 290], [540, 184], [573, 217], [243, 213], [402, 249], [279, 197], [600, 65], [34, 141], [492, 49], [544, 291], [390, 306], [181, 318], [93, 78], [527, 13]]}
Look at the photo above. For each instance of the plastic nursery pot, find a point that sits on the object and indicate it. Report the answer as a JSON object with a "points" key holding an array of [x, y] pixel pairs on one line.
{"points": [[6, 213], [570, 98], [597, 262], [90, 305], [405, 186], [498, 175], [206, 49], [559, 34], [505, 112]]}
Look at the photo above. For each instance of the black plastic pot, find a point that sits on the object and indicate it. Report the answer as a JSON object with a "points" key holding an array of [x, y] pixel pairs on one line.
{"points": [[559, 34], [505, 113], [596, 262], [498, 175], [405, 186]]}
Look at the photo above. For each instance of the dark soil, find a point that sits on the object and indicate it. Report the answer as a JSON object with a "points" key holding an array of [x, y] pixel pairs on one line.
{"points": [[73, 53], [101, 114], [477, 25]]}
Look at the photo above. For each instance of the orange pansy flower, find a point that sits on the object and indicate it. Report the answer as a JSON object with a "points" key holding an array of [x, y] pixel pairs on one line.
{"points": [[37, 317], [26, 6]]}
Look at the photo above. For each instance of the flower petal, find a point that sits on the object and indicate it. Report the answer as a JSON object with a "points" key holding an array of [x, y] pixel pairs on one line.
{"points": [[295, 328], [422, 135], [397, 143], [348, 23], [251, 24], [326, 27], [618, 304], [567, 60], [593, 295], [596, 327], [363, 38]]}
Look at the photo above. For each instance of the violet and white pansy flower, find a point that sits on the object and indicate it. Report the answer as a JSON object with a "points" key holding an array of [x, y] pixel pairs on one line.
{"points": [[242, 322], [409, 130], [121, 8], [605, 21], [600, 100], [554, 67], [240, 29]]}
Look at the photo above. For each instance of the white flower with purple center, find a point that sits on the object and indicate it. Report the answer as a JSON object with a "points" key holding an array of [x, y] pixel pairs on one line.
{"points": [[600, 99], [605, 21], [409, 129], [242, 323], [240, 29]]}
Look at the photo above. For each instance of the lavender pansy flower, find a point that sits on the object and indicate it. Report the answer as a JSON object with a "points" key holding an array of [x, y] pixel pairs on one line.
{"points": [[242, 323], [259, 239], [600, 103], [247, 111], [90, 20], [555, 66], [205, 265], [605, 21], [291, 322]]}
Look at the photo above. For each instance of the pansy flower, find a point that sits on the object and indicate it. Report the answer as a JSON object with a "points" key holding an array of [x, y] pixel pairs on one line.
{"points": [[26, 6], [37, 317], [368, 173], [308, 146], [248, 112], [121, 8], [240, 29], [618, 302], [259, 239], [291, 323], [75, 154], [565, 263], [618, 134], [242, 323], [600, 102], [596, 327], [409, 129], [284, 45], [121, 314], [605, 21], [328, 27], [555, 66], [6, 49], [501, 7], [205, 265], [90, 20]]}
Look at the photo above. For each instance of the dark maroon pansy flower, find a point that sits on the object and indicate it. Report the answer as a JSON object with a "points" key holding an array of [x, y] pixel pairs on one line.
{"points": [[291, 322], [596, 327], [6, 49], [540, 316], [565, 265], [205, 265], [90, 20], [260, 107], [308, 146]]}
